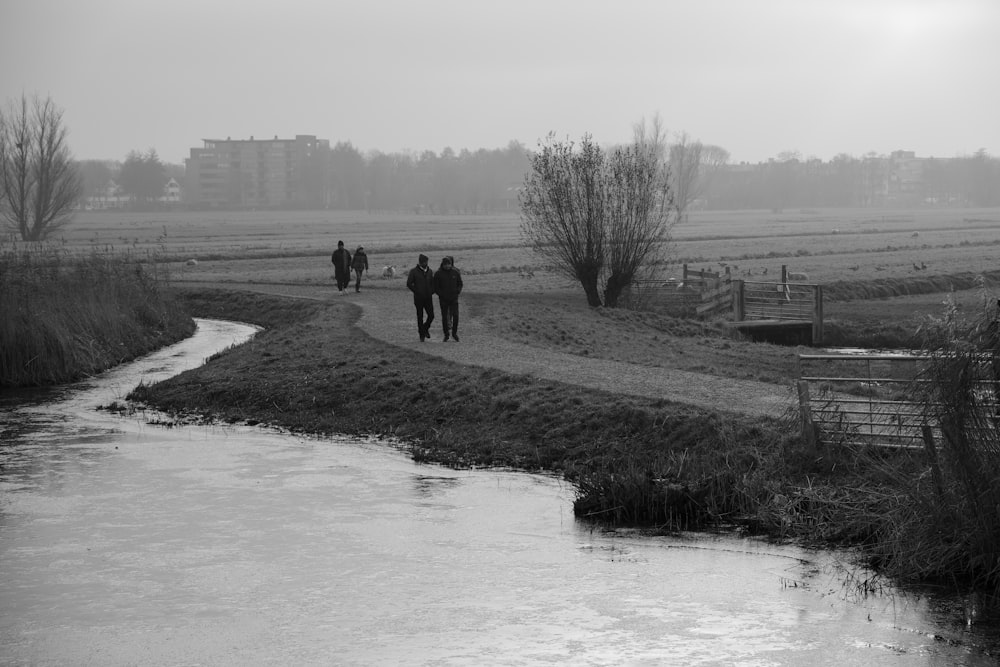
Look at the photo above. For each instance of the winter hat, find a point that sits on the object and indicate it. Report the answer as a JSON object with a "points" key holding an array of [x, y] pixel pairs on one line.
{"points": [[340, 244], [422, 259]]}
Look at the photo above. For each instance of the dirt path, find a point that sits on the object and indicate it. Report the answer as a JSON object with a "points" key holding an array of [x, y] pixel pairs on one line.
{"points": [[388, 315]]}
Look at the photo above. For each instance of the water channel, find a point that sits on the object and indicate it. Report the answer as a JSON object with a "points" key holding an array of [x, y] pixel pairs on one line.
{"points": [[127, 543]]}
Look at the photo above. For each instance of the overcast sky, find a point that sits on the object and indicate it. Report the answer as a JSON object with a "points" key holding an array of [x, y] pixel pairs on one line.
{"points": [[757, 77]]}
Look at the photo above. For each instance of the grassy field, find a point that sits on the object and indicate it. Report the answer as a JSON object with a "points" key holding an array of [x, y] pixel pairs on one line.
{"points": [[828, 245], [855, 247]]}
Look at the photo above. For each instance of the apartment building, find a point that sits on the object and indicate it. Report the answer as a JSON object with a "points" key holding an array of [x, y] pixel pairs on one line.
{"points": [[258, 173]]}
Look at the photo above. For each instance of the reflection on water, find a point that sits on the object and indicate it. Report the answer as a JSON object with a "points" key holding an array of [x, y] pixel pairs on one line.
{"points": [[123, 543]]}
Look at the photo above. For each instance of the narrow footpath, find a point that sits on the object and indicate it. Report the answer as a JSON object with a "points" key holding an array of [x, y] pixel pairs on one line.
{"points": [[388, 315]]}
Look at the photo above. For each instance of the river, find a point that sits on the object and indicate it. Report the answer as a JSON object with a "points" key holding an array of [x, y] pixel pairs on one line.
{"points": [[123, 542]]}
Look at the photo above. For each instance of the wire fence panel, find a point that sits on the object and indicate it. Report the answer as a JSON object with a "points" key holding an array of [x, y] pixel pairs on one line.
{"points": [[872, 399]]}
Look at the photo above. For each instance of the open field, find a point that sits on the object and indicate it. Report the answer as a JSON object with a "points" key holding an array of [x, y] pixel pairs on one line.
{"points": [[854, 245], [828, 245]]}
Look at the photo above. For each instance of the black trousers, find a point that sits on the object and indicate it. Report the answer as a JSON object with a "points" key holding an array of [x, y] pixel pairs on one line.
{"points": [[449, 316], [424, 305]]}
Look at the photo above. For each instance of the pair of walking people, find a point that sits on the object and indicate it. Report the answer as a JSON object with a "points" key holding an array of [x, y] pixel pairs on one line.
{"points": [[343, 263], [446, 282]]}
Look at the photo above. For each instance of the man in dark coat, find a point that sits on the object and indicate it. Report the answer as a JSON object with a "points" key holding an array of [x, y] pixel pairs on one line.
{"points": [[420, 281], [360, 264], [341, 266], [448, 285]]}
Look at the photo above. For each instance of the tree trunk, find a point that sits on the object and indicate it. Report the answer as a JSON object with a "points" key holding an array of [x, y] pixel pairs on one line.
{"points": [[613, 290], [590, 288]]}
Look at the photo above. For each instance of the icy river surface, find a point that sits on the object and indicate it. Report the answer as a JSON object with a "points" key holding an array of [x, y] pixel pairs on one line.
{"points": [[127, 543]]}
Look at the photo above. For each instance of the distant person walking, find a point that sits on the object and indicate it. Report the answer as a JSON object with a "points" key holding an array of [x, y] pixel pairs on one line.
{"points": [[360, 264], [420, 281], [341, 266], [448, 285]]}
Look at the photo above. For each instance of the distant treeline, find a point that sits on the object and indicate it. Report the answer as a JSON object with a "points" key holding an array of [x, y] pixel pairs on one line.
{"points": [[487, 181], [900, 179], [484, 181]]}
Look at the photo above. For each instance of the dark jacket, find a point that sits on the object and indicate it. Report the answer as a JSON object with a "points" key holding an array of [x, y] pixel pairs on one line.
{"points": [[448, 281], [360, 261], [420, 281], [341, 261]]}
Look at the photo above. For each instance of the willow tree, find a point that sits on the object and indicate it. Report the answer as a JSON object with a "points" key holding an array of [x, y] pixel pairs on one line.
{"points": [[599, 217], [39, 184]]}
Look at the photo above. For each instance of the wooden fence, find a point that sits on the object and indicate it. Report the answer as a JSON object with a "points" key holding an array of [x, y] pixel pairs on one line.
{"points": [[780, 302], [708, 294], [697, 293]]}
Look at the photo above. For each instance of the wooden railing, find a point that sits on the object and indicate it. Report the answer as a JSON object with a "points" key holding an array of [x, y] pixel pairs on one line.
{"points": [[708, 294], [783, 302]]}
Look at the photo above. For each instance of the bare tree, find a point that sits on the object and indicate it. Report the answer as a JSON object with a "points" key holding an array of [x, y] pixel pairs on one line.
{"points": [[598, 217], [39, 184], [693, 164]]}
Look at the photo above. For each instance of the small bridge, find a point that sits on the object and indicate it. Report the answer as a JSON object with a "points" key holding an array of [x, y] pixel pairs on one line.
{"points": [[784, 312], [778, 312]]}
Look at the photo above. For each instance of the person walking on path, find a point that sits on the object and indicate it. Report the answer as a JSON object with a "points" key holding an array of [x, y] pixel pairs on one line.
{"points": [[420, 281], [448, 285], [341, 266], [360, 264]]}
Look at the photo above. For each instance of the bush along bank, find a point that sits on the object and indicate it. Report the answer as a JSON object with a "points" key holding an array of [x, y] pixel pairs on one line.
{"points": [[636, 462], [66, 317]]}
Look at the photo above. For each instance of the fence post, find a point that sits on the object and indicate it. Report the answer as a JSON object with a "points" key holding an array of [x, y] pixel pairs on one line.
{"points": [[739, 302], [810, 431], [817, 315], [684, 276], [932, 456]]}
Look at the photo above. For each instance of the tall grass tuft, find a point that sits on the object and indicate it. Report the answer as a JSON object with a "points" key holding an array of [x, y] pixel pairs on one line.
{"points": [[946, 524], [66, 317]]}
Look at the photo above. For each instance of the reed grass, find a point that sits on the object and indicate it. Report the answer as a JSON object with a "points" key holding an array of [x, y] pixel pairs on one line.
{"points": [[67, 316], [945, 522]]}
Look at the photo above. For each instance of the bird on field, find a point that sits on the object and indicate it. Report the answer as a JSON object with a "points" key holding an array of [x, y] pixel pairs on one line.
{"points": [[916, 267], [854, 268], [922, 266]]}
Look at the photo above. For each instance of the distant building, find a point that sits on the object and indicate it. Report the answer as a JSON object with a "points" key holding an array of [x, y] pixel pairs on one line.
{"points": [[112, 197], [906, 177], [258, 173], [108, 197], [171, 192]]}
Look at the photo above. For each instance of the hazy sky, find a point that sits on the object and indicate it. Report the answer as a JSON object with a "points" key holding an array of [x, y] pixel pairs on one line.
{"points": [[757, 77]]}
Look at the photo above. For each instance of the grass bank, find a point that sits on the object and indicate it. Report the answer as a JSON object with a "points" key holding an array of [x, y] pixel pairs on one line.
{"points": [[67, 317]]}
